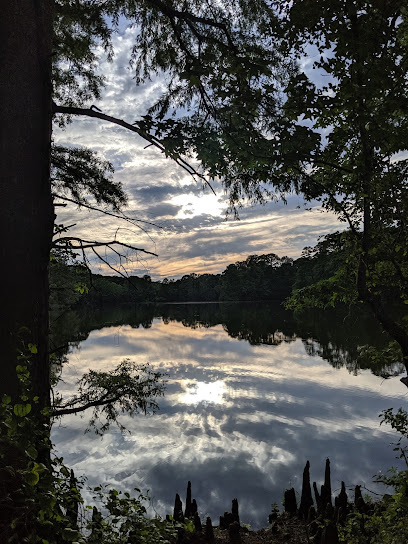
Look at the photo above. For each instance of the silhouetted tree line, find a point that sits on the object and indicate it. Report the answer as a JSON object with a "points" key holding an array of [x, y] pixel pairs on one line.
{"points": [[259, 277]]}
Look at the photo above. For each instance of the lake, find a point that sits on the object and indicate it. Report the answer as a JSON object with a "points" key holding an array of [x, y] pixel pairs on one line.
{"points": [[252, 394]]}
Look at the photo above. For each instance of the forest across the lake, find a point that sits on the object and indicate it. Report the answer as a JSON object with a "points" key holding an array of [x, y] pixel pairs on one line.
{"points": [[258, 277]]}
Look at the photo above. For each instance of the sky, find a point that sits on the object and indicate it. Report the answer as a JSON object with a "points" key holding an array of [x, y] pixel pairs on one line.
{"points": [[190, 232]]}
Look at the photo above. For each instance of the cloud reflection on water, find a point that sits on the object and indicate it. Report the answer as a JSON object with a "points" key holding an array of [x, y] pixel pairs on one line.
{"points": [[207, 392], [237, 420]]}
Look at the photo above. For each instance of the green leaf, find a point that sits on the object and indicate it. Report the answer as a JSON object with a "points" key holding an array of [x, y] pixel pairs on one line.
{"points": [[33, 348], [22, 410], [70, 534], [6, 399], [32, 477], [31, 452], [81, 288]]}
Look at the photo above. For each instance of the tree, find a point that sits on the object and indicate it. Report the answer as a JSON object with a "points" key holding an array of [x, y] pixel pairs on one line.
{"points": [[259, 277], [333, 127], [48, 72], [47, 52], [357, 166], [27, 215]]}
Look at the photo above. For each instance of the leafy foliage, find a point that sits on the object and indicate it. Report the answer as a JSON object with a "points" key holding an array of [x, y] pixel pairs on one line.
{"points": [[128, 388], [259, 277], [40, 497], [79, 29], [79, 172], [35, 490], [329, 274], [387, 522], [126, 520]]}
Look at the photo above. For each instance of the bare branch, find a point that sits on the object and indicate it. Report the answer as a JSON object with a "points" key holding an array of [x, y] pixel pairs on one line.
{"points": [[112, 267], [63, 229], [190, 18], [88, 244]]}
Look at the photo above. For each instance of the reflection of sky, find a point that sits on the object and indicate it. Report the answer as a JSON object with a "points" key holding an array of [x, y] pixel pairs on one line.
{"points": [[237, 420]]}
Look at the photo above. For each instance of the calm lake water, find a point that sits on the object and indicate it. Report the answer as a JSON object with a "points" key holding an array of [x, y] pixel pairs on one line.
{"points": [[252, 394]]}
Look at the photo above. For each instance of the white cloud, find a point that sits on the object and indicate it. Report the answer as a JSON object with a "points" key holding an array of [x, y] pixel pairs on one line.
{"points": [[193, 236]]}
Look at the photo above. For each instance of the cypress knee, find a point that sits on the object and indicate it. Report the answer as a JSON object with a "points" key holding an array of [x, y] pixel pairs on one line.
{"points": [[234, 533], [306, 499], [187, 511], [289, 501], [197, 523], [209, 531], [178, 509], [234, 510]]}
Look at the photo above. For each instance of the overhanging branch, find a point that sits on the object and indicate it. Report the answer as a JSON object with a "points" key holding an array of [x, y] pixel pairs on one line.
{"points": [[135, 127], [77, 409]]}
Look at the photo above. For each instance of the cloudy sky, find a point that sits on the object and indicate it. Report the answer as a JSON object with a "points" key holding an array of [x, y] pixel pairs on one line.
{"points": [[191, 233]]}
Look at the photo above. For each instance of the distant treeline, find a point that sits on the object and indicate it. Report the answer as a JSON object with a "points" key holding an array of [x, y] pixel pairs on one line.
{"points": [[259, 277]]}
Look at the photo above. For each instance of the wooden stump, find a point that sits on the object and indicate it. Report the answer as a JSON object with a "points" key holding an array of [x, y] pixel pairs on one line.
{"points": [[329, 534], [230, 517], [197, 523], [325, 493], [318, 498], [234, 511], [341, 504]]}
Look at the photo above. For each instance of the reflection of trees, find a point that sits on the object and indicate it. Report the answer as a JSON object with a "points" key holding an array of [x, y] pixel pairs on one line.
{"points": [[355, 363], [259, 324], [335, 336]]}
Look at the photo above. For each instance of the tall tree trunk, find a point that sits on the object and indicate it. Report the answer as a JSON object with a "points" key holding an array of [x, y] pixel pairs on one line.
{"points": [[26, 209]]}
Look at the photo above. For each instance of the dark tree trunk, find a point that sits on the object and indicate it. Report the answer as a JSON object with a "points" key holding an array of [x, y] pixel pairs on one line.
{"points": [[26, 208]]}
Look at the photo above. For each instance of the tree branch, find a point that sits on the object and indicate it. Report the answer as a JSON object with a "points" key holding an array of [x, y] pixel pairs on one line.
{"points": [[87, 244], [90, 112], [335, 203], [76, 410], [332, 165], [94, 208], [189, 18], [112, 267]]}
